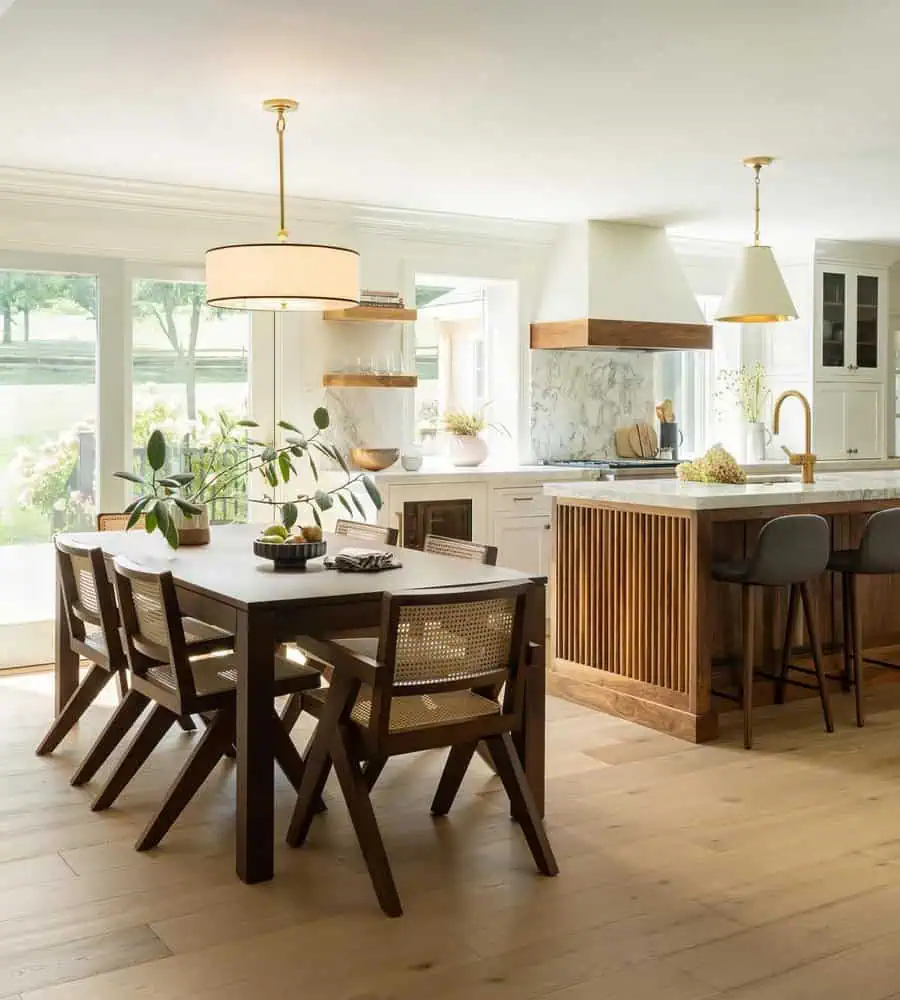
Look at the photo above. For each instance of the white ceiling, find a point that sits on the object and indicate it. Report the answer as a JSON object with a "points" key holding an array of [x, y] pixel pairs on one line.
{"points": [[535, 109]]}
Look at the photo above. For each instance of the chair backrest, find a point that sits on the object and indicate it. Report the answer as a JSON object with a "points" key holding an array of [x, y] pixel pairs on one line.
{"points": [[362, 529], [152, 625], [88, 595], [116, 522], [461, 549], [452, 639], [879, 547], [790, 549]]}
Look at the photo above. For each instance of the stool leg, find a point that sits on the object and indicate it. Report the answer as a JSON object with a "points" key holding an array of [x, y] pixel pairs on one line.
{"points": [[856, 632], [786, 646], [748, 608], [847, 630], [811, 627]]}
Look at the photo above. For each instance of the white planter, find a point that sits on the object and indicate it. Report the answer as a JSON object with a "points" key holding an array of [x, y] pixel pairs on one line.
{"points": [[191, 530], [466, 451], [757, 439]]}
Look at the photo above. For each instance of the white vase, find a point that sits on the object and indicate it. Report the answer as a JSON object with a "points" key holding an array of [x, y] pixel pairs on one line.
{"points": [[758, 438], [191, 530], [467, 451]]}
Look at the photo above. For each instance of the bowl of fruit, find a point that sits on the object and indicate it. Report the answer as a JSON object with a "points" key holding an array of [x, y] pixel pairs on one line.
{"points": [[290, 549]]}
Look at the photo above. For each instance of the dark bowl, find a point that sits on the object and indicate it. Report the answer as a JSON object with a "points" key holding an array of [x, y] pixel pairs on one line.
{"points": [[288, 555]]}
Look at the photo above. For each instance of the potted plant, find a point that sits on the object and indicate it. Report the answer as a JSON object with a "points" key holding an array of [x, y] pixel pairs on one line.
{"points": [[750, 387], [467, 447], [174, 504]]}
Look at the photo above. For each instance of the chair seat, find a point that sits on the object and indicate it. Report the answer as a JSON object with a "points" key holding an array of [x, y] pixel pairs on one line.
{"points": [[417, 711], [215, 678], [735, 571]]}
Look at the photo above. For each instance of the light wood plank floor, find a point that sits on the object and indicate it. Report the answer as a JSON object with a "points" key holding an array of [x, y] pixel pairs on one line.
{"points": [[687, 873]]}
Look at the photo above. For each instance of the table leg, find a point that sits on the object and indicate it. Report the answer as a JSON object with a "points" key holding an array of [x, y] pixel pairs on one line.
{"points": [[65, 660], [531, 742], [255, 659]]}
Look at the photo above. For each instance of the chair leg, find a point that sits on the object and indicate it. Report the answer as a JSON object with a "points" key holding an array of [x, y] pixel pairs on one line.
{"points": [[356, 795], [187, 723], [372, 769], [81, 700], [748, 609], [847, 633], [158, 723], [509, 768], [812, 627], [286, 754], [207, 718], [217, 736], [458, 761], [122, 676], [124, 717], [292, 712], [786, 647], [485, 755], [856, 633]]}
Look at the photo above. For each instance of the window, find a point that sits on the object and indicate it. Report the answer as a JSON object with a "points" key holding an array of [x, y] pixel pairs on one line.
{"points": [[188, 362], [48, 413]]}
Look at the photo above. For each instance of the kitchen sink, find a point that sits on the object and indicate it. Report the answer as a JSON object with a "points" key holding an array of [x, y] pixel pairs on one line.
{"points": [[772, 480]]}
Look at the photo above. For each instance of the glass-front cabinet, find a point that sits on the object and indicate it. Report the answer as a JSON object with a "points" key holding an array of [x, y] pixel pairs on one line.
{"points": [[851, 322]]}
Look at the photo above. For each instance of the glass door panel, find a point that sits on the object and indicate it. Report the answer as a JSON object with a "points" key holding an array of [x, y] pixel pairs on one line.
{"points": [[866, 321], [48, 411], [834, 320], [189, 362]]}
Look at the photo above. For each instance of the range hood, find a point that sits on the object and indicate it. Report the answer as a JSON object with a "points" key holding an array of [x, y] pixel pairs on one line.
{"points": [[617, 285]]}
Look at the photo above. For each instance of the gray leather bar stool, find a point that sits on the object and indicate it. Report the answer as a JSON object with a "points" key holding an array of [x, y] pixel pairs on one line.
{"points": [[790, 551], [878, 553]]}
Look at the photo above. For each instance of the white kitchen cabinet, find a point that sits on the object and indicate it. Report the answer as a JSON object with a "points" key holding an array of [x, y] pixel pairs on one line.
{"points": [[851, 323], [523, 543], [848, 420]]}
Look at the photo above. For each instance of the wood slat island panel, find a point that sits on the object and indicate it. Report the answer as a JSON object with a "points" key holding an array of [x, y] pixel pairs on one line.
{"points": [[639, 627]]}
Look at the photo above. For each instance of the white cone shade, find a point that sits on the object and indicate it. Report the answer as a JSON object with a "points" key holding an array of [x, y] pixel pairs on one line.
{"points": [[280, 277], [758, 293]]}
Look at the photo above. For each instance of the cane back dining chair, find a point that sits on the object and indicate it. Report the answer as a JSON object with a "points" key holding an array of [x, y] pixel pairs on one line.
{"points": [[164, 673], [442, 655], [364, 530], [460, 548]]}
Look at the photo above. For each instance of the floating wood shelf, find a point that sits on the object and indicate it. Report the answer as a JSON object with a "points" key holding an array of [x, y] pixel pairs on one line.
{"points": [[363, 380], [371, 314]]}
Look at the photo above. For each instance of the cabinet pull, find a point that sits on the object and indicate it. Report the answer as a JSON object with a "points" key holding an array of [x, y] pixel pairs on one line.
{"points": [[546, 527], [523, 499]]}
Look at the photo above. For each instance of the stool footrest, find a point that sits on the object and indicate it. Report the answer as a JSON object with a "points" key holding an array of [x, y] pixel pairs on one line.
{"points": [[788, 680], [881, 663], [736, 698]]}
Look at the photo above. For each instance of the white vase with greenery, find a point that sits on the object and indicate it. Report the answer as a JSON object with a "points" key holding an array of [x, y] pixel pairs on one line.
{"points": [[747, 386], [467, 447]]}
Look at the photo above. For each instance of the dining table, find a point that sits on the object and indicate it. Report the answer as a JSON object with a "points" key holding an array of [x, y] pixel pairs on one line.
{"points": [[225, 584]]}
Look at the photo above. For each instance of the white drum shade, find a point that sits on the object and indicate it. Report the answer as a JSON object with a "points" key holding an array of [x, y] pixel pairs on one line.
{"points": [[282, 277], [758, 293]]}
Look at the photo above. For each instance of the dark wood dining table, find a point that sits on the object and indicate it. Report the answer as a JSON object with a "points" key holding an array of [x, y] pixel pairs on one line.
{"points": [[225, 584]]}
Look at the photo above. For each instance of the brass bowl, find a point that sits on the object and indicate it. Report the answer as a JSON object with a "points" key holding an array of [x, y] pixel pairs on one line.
{"points": [[373, 459]]}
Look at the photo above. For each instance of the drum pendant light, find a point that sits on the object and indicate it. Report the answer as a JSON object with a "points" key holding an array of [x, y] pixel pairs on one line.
{"points": [[282, 276], [758, 293]]}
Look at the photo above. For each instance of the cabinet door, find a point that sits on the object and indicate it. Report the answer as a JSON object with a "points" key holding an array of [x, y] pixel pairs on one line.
{"points": [[829, 425], [832, 311], [869, 326], [863, 421], [523, 543]]}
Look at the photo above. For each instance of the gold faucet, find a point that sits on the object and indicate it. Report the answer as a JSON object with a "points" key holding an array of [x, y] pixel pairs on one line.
{"points": [[806, 460]]}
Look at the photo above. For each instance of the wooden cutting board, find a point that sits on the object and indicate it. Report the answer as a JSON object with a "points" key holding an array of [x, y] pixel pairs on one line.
{"points": [[623, 443], [643, 440]]}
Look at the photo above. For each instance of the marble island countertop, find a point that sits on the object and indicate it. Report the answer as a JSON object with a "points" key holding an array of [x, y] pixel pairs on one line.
{"points": [[830, 487]]}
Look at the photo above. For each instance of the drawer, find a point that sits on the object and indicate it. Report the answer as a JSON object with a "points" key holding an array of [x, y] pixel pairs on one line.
{"points": [[524, 501]]}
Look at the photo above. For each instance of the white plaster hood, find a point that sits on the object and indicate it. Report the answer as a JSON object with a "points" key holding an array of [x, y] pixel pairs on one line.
{"points": [[617, 285]]}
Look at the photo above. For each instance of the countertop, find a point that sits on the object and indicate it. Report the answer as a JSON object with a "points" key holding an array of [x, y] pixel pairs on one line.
{"points": [[830, 487]]}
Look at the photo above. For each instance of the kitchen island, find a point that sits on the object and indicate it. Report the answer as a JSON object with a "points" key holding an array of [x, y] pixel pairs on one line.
{"points": [[639, 627]]}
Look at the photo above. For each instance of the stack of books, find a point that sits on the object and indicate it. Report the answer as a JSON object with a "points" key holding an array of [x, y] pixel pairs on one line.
{"points": [[385, 300]]}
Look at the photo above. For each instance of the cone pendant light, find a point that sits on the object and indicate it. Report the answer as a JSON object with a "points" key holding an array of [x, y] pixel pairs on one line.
{"points": [[282, 276], [758, 293]]}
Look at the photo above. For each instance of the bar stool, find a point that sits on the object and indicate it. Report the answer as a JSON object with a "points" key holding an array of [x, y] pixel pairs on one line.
{"points": [[878, 553], [790, 551]]}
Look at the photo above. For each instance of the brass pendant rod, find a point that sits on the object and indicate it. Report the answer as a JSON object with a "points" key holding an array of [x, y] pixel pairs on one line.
{"points": [[279, 128], [756, 169]]}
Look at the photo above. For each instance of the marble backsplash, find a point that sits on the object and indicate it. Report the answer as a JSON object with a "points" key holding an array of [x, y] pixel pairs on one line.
{"points": [[579, 398]]}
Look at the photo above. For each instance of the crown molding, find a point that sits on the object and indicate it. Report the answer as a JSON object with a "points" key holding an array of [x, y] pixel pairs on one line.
{"points": [[43, 187]]}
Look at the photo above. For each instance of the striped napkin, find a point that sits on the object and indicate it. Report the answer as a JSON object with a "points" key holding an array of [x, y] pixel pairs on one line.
{"points": [[362, 561]]}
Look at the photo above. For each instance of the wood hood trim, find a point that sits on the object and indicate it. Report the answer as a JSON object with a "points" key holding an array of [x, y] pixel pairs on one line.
{"points": [[617, 333]]}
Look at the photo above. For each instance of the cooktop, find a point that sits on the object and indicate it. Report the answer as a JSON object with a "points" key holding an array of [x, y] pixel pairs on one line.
{"points": [[614, 463]]}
